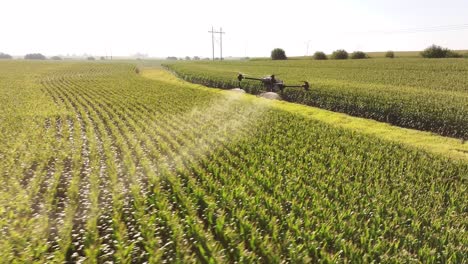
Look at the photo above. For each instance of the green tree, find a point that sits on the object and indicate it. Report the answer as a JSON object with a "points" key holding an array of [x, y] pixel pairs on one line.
{"points": [[34, 56], [359, 55], [319, 55], [435, 51], [340, 55], [390, 54], [5, 56], [278, 54]]}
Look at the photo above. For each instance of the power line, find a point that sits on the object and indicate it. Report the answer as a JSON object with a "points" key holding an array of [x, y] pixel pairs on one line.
{"points": [[422, 29]]}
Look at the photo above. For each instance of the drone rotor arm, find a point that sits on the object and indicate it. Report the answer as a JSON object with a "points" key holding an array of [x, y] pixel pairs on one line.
{"points": [[306, 86], [256, 79]]}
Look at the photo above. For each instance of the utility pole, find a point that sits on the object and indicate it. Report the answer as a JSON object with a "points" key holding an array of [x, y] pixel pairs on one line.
{"points": [[307, 51], [212, 39], [220, 41]]}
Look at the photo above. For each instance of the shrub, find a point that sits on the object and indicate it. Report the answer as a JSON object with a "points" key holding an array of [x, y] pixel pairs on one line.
{"points": [[5, 56], [359, 55], [102, 58], [390, 54], [340, 55], [278, 54], [56, 58], [319, 55], [196, 58], [90, 58], [187, 58], [453, 54], [435, 51], [171, 58], [34, 56]]}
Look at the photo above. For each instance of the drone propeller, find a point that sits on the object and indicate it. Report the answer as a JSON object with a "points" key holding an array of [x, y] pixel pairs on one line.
{"points": [[239, 74]]}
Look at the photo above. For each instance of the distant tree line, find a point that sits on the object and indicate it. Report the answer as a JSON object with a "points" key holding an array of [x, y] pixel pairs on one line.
{"points": [[432, 51], [5, 56], [35, 56], [186, 58]]}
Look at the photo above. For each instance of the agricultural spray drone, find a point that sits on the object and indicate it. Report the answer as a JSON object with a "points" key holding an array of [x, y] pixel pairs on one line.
{"points": [[272, 84]]}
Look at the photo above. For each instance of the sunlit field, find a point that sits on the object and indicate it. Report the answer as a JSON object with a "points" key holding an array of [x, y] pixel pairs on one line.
{"points": [[423, 94], [103, 162]]}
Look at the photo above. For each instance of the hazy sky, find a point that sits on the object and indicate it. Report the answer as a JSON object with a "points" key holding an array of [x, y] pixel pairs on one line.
{"points": [[253, 28]]}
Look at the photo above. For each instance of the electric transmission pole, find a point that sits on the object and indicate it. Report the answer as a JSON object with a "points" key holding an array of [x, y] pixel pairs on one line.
{"points": [[212, 39], [307, 50], [220, 41]]}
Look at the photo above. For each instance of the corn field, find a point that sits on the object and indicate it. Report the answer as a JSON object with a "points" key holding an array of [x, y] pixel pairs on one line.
{"points": [[100, 164], [428, 95]]}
